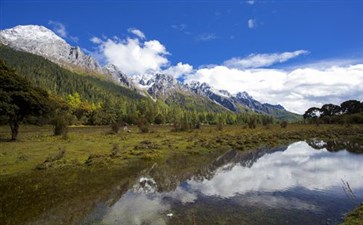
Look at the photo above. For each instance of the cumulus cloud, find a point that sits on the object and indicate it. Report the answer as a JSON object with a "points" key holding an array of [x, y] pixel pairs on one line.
{"points": [[179, 70], [134, 56], [59, 28], [137, 32], [297, 90], [251, 23], [262, 60], [205, 37]]}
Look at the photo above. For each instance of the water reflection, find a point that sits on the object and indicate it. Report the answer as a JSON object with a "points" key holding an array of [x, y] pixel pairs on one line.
{"points": [[298, 166], [295, 182], [137, 209]]}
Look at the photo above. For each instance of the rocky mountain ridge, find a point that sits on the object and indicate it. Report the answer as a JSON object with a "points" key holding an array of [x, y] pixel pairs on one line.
{"points": [[41, 41]]}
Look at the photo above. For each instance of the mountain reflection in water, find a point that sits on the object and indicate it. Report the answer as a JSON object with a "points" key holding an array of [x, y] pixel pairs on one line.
{"points": [[298, 184]]}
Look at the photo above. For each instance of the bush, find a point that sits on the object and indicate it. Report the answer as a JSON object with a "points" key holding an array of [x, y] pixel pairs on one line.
{"points": [[283, 124], [143, 125], [182, 124], [159, 119], [116, 125], [60, 123]]}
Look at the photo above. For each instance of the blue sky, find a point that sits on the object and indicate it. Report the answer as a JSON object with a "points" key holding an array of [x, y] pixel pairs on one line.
{"points": [[209, 33]]}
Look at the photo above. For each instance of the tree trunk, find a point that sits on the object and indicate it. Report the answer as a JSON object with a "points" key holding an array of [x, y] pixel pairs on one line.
{"points": [[14, 126]]}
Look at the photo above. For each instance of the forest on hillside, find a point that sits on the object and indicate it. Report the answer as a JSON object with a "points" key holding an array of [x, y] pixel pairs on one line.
{"points": [[73, 99]]}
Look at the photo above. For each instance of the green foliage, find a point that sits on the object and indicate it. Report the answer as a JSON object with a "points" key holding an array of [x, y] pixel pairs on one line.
{"points": [[143, 125], [252, 123], [95, 101], [350, 111], [351, 106], [159, 119], [60, 123], [19, 99], [267, 120], [116, 124]]}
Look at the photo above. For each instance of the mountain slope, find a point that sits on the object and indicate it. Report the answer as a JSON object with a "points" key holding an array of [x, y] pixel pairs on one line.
{"points": [[43, 42], [62, 82], [57, 80], [241, 101]]}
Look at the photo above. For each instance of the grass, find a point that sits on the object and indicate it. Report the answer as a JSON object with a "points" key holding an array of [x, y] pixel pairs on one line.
{"points": [[355, 217], [42, 171], [96, 145]]}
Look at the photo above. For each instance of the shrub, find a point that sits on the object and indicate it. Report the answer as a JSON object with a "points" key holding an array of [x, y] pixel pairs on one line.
{"points": [[143, 125], [159, 119], [116, 126], [60, 123], [283, 124], [197, 125]]}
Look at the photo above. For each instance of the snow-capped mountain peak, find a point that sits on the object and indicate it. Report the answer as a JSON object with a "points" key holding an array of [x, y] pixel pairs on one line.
{"points": [[243, 95], [30, 32], [118, 76], [39, 40], [160, 85]]}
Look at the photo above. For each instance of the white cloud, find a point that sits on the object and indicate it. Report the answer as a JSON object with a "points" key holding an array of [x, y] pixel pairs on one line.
{"points": [[298, 166], [251, 2], [206, 37], [133, 56], [96, 40], [58, 28], [179, 70], [137, 32], [296, 90], [139, 208], [252, 23], [262, 60]]}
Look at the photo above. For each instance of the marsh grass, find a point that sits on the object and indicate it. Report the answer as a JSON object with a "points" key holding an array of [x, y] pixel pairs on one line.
{"points": [[37, 145], [91, 163], [355, 217]]}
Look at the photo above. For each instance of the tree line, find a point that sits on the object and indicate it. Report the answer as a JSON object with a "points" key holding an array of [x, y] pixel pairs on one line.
{"points": [[350, 111], [23, 102]]}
